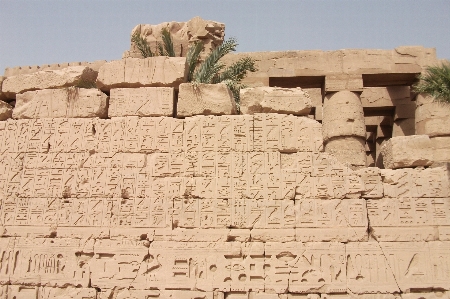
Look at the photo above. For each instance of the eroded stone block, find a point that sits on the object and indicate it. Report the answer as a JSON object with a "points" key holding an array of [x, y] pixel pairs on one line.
{"points": [[385, 96], [61, 103], [144, 101], [205, 99], [275, 100], [351, 82], [6, 111], [432, 118], [407, 151], [161, 71], [70, 76]]}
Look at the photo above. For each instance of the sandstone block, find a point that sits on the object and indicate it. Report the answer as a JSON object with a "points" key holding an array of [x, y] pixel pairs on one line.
{"points": [[441, 148], [315, 94], [343, 115], [403, 127], [405, 111], [407, 151], [49, 79], [161, 71], [352, 82], [385, 96], [61, 103], [432, 118], [347, 150], [205, 99], [6, 111], [275, 100], [144, 101]]}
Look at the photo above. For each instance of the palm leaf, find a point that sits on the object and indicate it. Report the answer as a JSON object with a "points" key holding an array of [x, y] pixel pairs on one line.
{"points": [[192, 58], [436, 82], [142, 44], [211, 66], [237, 71], [168, 43]]}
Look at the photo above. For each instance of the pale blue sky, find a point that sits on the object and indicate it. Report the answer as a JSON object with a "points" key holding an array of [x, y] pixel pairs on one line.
{"points": [[44, 32]]}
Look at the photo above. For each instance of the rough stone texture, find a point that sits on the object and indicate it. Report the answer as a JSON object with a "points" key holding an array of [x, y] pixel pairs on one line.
{"points": [[343, 115], [57, 103], [144, 101], [385, 96], [70, 76], [275, 100], [407, 151], [183, 34], [403, 127], [30, 69], [205, 99], [159, 71], [441, 148], [6, 111], [351, 82], [348, 150], [432, 118], [2, 95]]}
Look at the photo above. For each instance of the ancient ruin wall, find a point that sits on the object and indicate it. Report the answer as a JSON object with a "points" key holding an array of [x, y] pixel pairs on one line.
{"points": [[113, 197]]}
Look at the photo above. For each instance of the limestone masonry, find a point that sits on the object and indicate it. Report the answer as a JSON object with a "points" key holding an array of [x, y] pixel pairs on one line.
{"points": [[332, 183]]}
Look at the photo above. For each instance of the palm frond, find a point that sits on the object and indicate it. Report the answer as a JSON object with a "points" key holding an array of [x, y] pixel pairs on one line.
{"points": [[436, 82], [211, 66], [238, 70], [168, 43], [192, 58], [142, 44]]}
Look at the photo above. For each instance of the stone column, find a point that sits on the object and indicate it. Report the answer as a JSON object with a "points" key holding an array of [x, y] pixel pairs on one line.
{"points": [[344, 130], [433, 119]]}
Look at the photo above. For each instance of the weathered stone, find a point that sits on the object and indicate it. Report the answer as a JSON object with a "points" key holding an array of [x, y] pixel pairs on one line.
{"points": [[70, 76], [6, 111], [2, 95], [347, 150], [385, 96], [351, 82], [403, 111], [407, 151], [343, 115], [158, 71], [144, 101], [441, 148], [183, 34], [403, 127], [22, 70], [316, 96], [205, 99], [432, 118], [60, 103], [275, 100]]}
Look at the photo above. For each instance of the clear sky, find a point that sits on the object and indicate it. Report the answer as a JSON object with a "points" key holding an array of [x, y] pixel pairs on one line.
{"points": [[43, 32]]}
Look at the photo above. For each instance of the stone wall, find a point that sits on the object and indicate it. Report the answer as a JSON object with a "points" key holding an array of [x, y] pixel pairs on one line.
{"points": [[108, 195]]}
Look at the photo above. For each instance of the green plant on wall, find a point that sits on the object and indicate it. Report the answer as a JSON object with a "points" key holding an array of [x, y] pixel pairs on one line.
{"points": [[212, 71], [164, 49], [436, 82]]}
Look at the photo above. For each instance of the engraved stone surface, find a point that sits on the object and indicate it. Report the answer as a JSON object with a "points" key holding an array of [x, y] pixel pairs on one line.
{"points": [[158, 71], [275, 100], [60, 103], [144, 101]]}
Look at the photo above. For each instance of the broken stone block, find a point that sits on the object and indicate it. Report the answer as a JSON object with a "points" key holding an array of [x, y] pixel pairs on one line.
{"points": [[183, 34], [343, 115], [347, 150], [60, 103], [373, 186], [407, 151], [6, 111], [275, 100], [432, 118], [2, 95], [160, 71], [385, 96], [205, 99], [351, 82], [144, 101], [49, 79], [316, 96]]}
